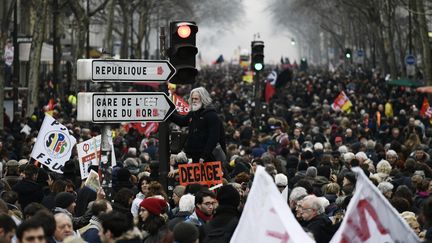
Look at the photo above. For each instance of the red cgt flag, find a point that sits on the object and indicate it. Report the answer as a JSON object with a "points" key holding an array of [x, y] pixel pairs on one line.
{"points": [[424, 108]]}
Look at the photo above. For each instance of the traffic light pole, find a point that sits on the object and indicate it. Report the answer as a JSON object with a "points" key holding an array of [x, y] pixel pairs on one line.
{"points": [[257, 99], [164, 150]]}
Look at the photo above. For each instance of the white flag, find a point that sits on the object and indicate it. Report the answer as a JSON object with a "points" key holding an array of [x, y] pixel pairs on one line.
{"points": [[89, 154], [371, 218], [266, 217], [53, 145]]}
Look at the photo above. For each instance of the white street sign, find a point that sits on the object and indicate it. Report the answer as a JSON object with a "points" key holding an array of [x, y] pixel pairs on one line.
{"points": [[115, 107], [124, 70]]}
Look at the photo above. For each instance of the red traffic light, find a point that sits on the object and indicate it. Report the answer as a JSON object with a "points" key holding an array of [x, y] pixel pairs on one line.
{"points": [[184, 31]]}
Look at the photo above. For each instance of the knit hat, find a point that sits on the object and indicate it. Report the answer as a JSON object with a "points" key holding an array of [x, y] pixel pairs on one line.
{"points": [[155, 206], [64, 199], [228, 195], [185, 233], [12, 163], [281, 180]]}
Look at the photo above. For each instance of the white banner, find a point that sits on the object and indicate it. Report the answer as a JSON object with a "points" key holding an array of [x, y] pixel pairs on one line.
{"points": [[266, 217], [54, 145], [88, 154], [371, 218]]}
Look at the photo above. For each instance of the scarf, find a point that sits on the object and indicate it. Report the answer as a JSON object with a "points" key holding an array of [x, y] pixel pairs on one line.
{"points": [[202, 215]]}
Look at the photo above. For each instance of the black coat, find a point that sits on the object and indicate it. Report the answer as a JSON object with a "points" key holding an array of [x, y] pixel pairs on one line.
{"points": [[205, 131], [178, 218], [221, 228], [321, 228], [28, 192]]}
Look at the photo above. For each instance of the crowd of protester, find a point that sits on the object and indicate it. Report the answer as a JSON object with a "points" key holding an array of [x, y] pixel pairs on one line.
{"points": [[305, 145]]}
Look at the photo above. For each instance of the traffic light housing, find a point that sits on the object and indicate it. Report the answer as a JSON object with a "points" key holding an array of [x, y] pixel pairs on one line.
{"points": [[348, 53], [182, 51], [257, 63]]}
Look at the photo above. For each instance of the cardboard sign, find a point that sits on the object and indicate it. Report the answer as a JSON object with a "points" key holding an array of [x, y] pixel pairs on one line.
{"points": [[208, 173]]}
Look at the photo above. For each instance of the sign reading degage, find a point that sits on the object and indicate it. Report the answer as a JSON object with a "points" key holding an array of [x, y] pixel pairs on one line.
{"points": [[131, 106], [208, 173], [124, 70]]}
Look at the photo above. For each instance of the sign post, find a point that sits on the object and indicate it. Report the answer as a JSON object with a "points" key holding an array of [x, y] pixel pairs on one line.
{"points": [[410, 61]]}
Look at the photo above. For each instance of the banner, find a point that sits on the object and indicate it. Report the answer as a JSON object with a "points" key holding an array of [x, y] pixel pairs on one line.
{"points": [[182, 106], [144, 128], [371, 218], [248, 77], [53, 145], [266, 217], [89, 153], [207, 173], [342, 102]]}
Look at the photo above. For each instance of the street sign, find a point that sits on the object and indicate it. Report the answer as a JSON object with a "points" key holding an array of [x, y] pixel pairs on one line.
{"points": [[124, 70], [410, 59], [360, 52], [116, 107]]}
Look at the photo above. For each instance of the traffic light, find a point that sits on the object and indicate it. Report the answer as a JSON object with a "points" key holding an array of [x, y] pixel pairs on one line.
{"points": [[348, 53], [257, 63], [182, 51]]}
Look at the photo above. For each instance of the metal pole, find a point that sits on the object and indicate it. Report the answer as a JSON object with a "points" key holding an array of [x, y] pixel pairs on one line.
{"points": [[16, 62], [257, 99], [164, 150], [105, 168], [88, 38], [56, 43], [409, 28]]}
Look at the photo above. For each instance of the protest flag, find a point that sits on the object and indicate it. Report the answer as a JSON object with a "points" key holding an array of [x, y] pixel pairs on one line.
{"points": [[181, 105], [342, 102], [266, 216], [425, 106], [53, 145], [371, 218]]}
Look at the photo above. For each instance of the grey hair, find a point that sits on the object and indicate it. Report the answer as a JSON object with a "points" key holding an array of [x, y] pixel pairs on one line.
{"points": [[187, 203], [315, 203], [204, 94], [297, 194], [385, 186]]}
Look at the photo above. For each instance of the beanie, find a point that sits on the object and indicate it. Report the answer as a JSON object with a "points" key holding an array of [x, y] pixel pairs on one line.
{"points": [[64, 199], [228, 195], [185, 233], [155, 206]]}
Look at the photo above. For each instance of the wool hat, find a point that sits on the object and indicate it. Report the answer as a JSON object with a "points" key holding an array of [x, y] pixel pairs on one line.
{"points": [[228, 195], [12, 163], [64, 199], [185, 233], [281, 180], [155, 206]]}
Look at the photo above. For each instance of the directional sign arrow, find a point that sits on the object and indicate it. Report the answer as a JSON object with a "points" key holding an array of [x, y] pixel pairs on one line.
{"points": [[124, 70], [116, 107]]}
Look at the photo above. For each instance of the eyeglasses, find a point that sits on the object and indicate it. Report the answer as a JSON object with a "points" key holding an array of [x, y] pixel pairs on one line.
{"points": [[33, 238], [208, 204]]}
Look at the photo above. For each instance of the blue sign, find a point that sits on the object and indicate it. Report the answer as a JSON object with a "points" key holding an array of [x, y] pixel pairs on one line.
{"points": [[360, 53], [410, 59]]}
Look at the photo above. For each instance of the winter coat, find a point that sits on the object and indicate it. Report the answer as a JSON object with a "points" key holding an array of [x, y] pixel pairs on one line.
{"points": [[178, 218], [28, 192], [205, 132], [221, 227], [131, 236], [321, 228], [90, 232]]}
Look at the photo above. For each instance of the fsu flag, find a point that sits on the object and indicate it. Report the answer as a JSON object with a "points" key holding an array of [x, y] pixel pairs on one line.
{"points": [[342, 102], [371, 218], [53, 145], [182, 106]]}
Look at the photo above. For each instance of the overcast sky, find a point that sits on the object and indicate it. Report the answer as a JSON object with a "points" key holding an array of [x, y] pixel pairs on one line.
{"points": [[212, 43]]}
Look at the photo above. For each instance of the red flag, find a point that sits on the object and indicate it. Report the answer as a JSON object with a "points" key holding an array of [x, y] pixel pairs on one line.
{"points": [[425, 106], [50, 105], [182, 106], [145, 128], [269, 91]]}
